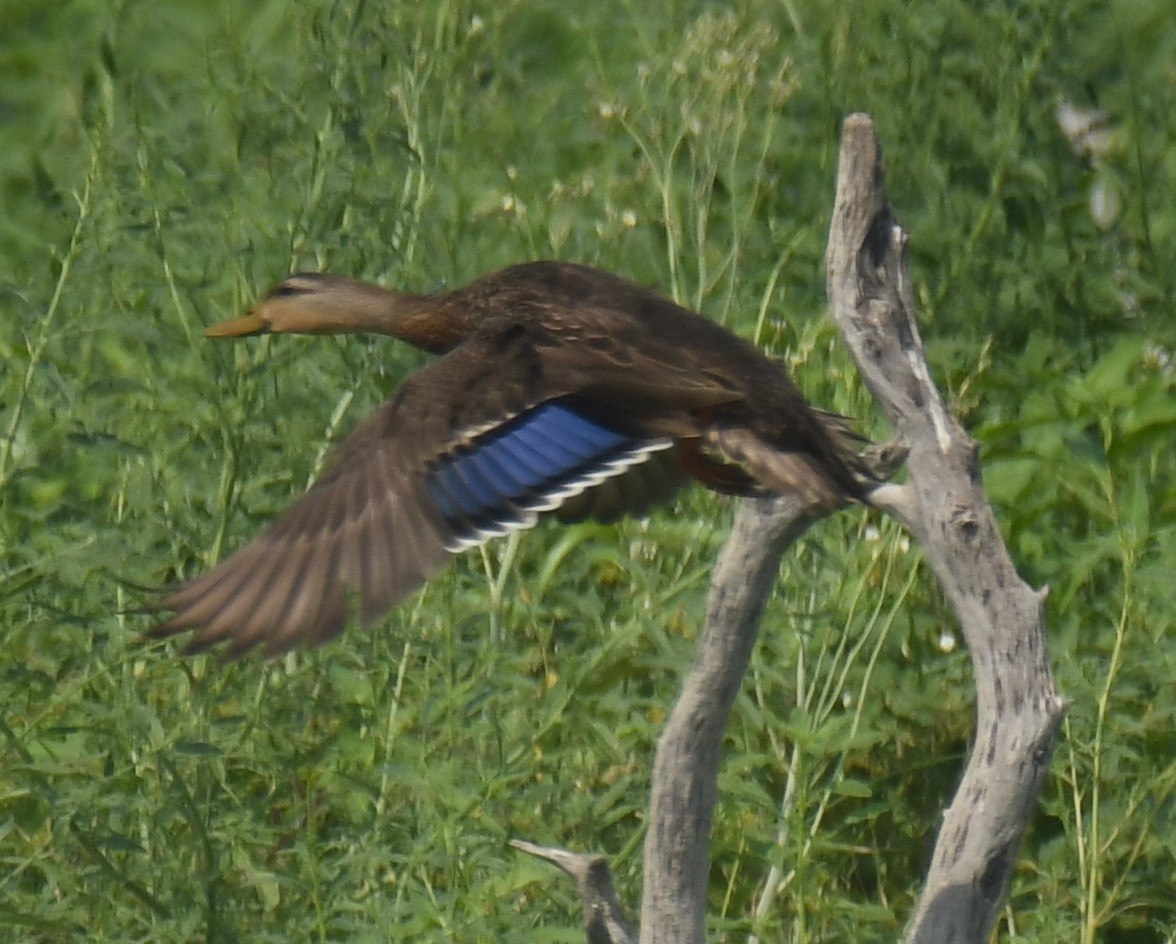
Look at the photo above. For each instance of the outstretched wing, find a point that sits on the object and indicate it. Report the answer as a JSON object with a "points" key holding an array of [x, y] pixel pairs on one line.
{"points": [[460, 454]]}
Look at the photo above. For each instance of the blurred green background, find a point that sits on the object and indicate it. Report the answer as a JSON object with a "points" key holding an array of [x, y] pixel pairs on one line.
{"points": [[162, 164]]}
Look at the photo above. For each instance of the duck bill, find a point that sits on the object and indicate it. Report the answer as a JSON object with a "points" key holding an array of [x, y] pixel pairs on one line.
{"points": [[251, 323]]}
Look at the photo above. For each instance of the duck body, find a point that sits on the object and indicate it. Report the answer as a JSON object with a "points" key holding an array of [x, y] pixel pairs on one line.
{"points": [[560, 388]]}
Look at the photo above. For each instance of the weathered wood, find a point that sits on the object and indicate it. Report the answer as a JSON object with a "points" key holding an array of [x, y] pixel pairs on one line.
{"points": [[943, 504], [1018, 710], [604, 918], [685, 775]]}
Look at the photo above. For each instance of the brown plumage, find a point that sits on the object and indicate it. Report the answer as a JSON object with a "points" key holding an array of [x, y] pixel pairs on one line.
{"points": [[561, 388]]}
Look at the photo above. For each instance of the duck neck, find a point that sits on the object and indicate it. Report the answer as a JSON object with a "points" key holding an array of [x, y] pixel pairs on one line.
{"points": [[425, 321]]}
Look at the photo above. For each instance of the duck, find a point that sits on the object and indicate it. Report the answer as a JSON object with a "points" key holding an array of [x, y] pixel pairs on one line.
{"points": [[558, 389]]}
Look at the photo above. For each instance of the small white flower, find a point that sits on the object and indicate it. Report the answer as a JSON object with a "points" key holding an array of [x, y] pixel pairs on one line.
{"points": [[512, 204], [1104, 203], [1159, 358], [1086, 129]]}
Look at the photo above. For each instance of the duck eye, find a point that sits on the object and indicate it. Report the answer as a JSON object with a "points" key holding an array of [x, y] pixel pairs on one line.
{"points": [[286, 290]]}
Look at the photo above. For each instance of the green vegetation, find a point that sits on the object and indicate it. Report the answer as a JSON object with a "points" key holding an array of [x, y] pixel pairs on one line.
{"points": [[161, 164]]}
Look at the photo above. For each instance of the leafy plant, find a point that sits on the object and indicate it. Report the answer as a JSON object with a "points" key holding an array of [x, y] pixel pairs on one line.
{"points": [[162, 164]]}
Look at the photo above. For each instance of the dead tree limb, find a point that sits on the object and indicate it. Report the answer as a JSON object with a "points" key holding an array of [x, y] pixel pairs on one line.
{"points": [[944, 505], [686, 771], [685, 776], [604, 918], [1018, 710]]}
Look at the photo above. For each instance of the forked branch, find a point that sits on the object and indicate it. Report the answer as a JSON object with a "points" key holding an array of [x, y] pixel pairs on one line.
{"points": [[943, 503]]}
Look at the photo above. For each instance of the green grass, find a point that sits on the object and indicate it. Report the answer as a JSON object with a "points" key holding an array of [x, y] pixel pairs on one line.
{"points": [[160, 165]]}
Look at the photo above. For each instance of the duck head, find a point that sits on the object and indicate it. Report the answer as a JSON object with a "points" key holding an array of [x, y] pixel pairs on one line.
{"points": [[318, 303]]}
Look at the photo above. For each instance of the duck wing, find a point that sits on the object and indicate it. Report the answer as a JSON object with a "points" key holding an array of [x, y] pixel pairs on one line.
{"points": [[477, 444]]}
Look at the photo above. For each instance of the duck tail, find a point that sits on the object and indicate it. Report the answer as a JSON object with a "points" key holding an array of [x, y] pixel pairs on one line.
{"points": [[869, 467]]}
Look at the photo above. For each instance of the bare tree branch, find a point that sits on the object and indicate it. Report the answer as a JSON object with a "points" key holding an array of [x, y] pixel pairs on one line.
{"points": [[604, 918], [685, 775], [944, 505]]}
